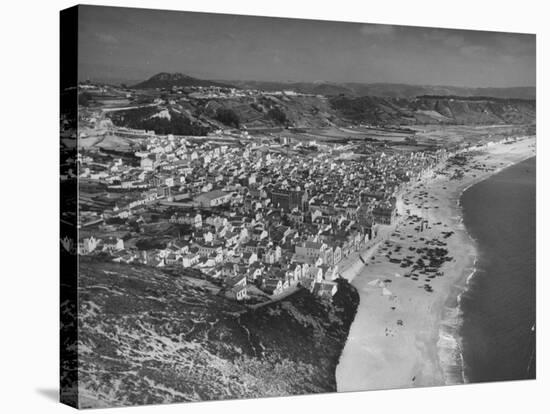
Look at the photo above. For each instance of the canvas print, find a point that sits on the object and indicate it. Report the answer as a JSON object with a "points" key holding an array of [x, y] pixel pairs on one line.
{"points": [[258, 207]]}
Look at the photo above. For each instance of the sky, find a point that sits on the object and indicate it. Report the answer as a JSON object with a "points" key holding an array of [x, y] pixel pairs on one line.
{"points": [[123, 45]]}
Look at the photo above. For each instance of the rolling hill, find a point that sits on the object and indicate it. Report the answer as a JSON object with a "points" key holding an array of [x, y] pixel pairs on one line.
{"points": [[324, 104], [356, 89], [200, 116]]}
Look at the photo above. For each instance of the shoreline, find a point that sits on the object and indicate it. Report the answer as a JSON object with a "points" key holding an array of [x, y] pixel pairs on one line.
{"points": [[474, 269], [423, 348]]}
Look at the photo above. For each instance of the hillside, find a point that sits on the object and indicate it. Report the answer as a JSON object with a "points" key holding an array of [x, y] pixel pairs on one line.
{"points": [[434, 110], [147, 337], [325, 104], [169, 80], [200, 116]]}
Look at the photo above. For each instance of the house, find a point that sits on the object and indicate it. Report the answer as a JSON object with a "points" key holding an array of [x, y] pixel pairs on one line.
{"points": [[88, 245], [231, 238], [171, 259], [258, 234], [312, 260], [112, 244], [148, 163], [206, 249], [327, 254], [228, 269], [163, 191], [286, 283], [208, 237], [190, 259], [237, 293], [294, 273], [124, 256], [272, 255], [213, 198], [236, 287], [309, 249], [384, 213], [249, 247], [178, 247], [181, 219], [330, 272], [214, 272], [316, 273], [305, 271], [324, 289], [337, 255], [216, 257], [234, 257], [296, 217], [255, 271], [288, 199], [206, 262], [216, 221], [249, 257], [239, 280], [272, 286]]}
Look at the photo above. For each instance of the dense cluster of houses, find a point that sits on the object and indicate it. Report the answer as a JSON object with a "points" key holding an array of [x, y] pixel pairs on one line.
{"points": [[260, 216]]}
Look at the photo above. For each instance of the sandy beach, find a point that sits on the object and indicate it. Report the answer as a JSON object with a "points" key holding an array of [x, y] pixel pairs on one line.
{"points": [[402, 335]]}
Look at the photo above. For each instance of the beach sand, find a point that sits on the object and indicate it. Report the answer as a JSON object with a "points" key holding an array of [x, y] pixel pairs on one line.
{"points": [[402, 335]]}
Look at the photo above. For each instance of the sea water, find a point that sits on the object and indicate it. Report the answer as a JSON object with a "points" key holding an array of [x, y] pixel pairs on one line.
{"points": [[497, 329]]}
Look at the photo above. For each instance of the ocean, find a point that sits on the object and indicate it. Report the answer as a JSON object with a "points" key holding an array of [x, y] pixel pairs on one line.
{"points": [[498, 308]]}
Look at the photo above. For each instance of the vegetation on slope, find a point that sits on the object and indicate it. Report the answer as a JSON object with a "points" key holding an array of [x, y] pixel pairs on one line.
{"points": [[200, 116], [149, 337], [142, 118], [228, 117], [434, 110]]}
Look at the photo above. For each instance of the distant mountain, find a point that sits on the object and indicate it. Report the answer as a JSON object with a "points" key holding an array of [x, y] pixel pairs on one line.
{"points": [[397, 90], [316, 88], [389, 90], [168, 80], [354, 89]]}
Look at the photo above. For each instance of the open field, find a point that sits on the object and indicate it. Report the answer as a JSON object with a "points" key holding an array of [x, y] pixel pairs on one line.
{"points": [[453, 134]]}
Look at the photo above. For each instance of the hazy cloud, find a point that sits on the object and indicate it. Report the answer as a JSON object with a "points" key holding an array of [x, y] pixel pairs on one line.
{"points": [[376, 30], [107, 38], [137, 43], [443, 37], [473, 50], [454, 41]]}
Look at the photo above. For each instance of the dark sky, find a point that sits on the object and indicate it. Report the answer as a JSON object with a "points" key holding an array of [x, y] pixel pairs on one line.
{"points": [[120, 44]]}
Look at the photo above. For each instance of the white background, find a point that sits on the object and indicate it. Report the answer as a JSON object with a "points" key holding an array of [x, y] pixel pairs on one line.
{"points": [[29, 226]]}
